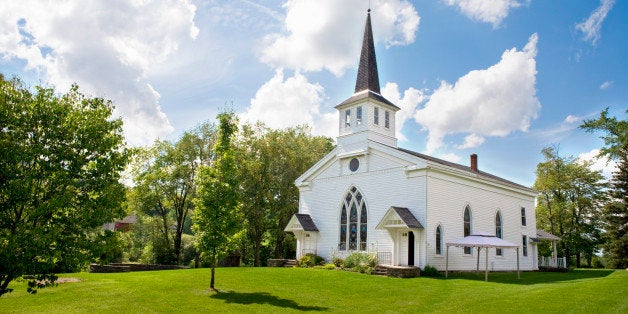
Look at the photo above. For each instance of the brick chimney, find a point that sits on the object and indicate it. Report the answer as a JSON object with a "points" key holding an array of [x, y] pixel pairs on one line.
{"points": [[474, 162]]}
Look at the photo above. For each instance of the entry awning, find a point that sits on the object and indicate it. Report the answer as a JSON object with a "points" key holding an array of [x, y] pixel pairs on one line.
{"points": [[301, 222], [399, 217], [544, 235]]}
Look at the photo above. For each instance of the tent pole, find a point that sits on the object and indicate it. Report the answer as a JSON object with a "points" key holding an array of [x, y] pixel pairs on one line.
{"points": [[486, 265], [477, 266], [518, 276], [447, 262]]}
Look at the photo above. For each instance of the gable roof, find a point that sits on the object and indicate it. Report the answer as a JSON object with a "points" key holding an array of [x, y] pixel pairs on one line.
{"points": [[301, 222], [481, 174], [394, 214]]}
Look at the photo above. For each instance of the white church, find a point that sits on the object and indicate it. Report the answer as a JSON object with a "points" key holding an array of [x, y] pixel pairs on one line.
{"points": [[369, 195]]}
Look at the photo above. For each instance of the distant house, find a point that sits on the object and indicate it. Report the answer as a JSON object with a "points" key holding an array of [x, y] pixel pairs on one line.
{"points": [[369, 195], [121, 225]]}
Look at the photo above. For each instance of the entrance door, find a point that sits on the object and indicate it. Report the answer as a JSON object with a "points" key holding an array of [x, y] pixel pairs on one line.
{"points": [[410, 248]]}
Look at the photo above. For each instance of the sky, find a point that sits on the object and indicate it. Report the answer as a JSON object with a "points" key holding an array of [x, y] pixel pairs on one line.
{"points": [[502, 78]]}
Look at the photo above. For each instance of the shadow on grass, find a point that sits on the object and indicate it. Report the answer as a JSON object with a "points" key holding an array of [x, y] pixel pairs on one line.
{"points": [[263, 298], [532, 278]]}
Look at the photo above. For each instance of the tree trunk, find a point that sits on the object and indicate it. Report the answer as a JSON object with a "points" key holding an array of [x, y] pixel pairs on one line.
{"points": [[6, 279], [257, 247], [279, 244], [578, 259], [211, 282]]}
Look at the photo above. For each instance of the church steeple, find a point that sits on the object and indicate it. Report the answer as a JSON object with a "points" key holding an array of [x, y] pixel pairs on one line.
{"points": [[367, 79], [367, 115]]}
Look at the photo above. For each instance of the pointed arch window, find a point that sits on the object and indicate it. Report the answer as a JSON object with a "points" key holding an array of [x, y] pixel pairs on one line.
{"points": [[499, 231], [353, 222], [439, 240], [467, 227]]}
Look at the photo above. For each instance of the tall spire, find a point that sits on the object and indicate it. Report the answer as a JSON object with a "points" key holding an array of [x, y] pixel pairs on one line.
{"points": [[367, 71]]}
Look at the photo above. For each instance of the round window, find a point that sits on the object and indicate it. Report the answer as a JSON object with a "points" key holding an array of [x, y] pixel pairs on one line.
{"points": [[354, 164]]}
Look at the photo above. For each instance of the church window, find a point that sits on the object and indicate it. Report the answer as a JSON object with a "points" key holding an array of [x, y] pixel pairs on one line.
{"points": [[343, 229], [387, 119], [358, 115], [498, 231], [523, 216], [439, 240], [467, 227], [376, 116], [347, 118], [353, 222], [354, 164], [525, 245]]}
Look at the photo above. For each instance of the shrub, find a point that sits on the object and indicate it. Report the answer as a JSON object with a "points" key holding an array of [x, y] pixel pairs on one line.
{"points": [[430, 271], [338, 262], [310, 260], [330, 266], [360, 262]]}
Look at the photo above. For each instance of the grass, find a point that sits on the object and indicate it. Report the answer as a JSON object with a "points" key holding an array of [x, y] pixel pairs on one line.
{"points": [[272, 290]]}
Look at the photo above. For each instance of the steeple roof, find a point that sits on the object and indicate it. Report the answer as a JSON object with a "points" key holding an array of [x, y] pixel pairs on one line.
{"points": [[367, 82], [367, 71]]}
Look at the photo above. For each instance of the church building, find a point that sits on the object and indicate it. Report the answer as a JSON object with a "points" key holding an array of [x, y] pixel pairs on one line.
{"points": [[369, 195]]}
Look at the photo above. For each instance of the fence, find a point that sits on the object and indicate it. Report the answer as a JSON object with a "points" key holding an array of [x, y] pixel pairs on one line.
{"points": [[546, 261]]}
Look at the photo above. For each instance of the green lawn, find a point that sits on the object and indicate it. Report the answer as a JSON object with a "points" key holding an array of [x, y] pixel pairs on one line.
{"points": [[272, 290]]}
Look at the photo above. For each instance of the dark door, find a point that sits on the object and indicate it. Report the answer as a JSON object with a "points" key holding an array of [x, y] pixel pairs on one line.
{"points": [[410, 248]]}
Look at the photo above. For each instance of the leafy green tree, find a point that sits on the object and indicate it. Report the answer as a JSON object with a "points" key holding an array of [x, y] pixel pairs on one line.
{"points": [[60, 164], [164, 178], [615, 215], [570, 199], [270, 160], [217, 220]]}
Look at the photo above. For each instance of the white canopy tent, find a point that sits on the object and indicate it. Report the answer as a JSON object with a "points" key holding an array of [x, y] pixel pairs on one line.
{"points": [[481, 240]]}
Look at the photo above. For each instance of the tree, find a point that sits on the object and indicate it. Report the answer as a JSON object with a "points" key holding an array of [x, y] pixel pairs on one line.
{"points": [[616, 213], [217, 220], [164, 178], [60, 164], [270, 160], [570, 199]]}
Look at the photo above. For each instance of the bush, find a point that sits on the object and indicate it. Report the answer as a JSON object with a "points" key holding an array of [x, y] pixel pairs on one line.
{"points": [[311, 260], [430, 271], [338, 262], [360, 262], [330, 266]]}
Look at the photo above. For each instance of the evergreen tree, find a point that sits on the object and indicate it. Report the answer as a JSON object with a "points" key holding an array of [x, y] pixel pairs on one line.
{"points": [[616, 213]]}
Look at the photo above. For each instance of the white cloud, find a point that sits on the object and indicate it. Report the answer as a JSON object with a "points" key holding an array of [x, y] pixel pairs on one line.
{"points": [[606, 85], [283, 102], [491, 102], [450, 157], [600, 164], [411, 99], [572, 119], [105, 47], [591, 27], [324, 34], [471, 140], [493, 12]]}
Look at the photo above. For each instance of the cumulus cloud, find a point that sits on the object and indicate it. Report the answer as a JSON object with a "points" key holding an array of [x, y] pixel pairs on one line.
{"points": [[603, 164], [105, 47], [590, 28], [493, 12], [572, 119], [606, 85], [322, 34], [471, 140], [490, 102], [411, 99], [282, 102]]}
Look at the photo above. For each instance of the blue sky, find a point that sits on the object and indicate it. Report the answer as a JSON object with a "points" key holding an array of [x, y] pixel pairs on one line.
{"points": [[500, 78]]}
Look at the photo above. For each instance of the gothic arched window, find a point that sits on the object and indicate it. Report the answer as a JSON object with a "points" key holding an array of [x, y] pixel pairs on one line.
{"points": [[439, 240], [467, 227], [498, 230], [353, 222]]}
